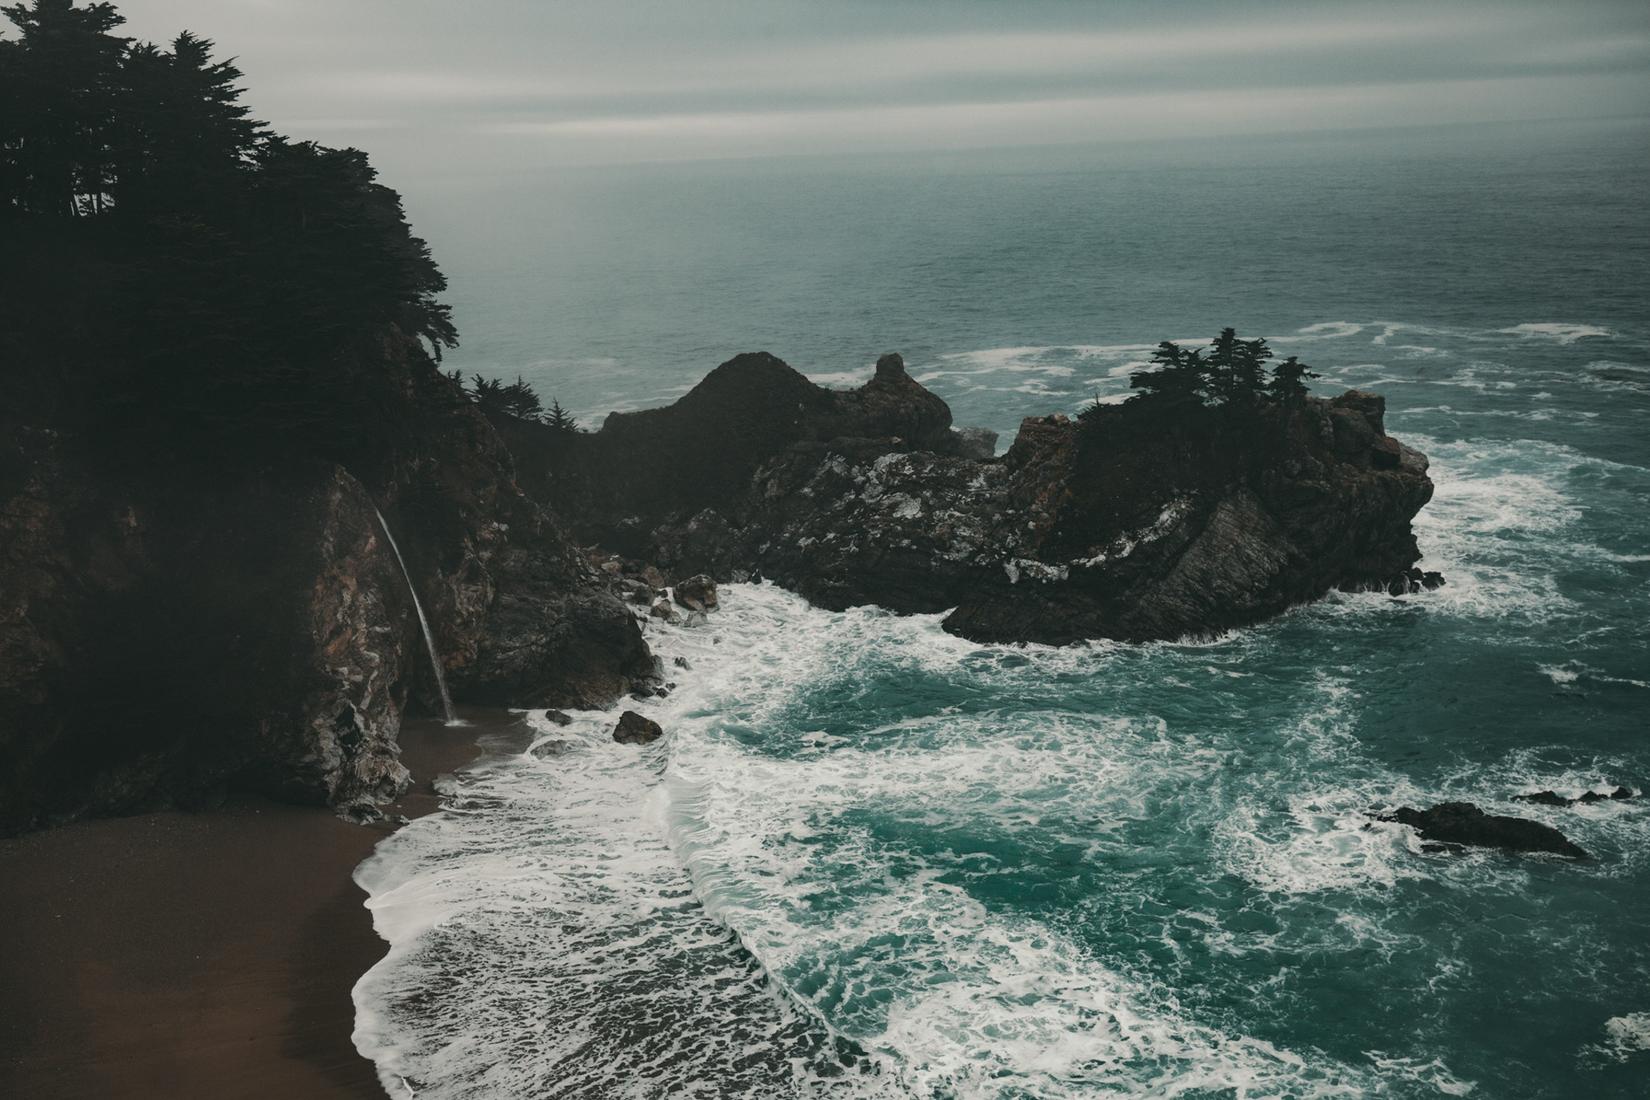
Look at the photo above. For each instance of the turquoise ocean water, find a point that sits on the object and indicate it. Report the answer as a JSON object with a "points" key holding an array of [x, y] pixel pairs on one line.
{"points": [[871, 859]]}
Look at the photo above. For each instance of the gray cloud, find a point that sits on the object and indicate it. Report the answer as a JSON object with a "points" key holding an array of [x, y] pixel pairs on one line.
{"points": [[511, 84]]}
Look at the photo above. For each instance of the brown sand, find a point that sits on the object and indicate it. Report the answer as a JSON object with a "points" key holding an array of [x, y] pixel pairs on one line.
{"points": [[196, 955]]}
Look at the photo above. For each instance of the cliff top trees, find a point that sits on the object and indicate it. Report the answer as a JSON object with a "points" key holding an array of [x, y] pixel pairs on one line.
{"points": [[59, 88], [1230, 374], [235, 283]]}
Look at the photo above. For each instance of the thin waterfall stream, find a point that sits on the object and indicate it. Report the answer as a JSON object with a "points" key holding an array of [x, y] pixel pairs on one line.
{"points": [[424, 623]]}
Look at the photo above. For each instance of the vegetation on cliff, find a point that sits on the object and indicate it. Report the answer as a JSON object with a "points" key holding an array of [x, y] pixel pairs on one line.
{"points": [[180, 280], [220, 350]]}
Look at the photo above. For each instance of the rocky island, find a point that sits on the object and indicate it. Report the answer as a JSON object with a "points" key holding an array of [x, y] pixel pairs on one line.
{"points": [[1138, 522]]}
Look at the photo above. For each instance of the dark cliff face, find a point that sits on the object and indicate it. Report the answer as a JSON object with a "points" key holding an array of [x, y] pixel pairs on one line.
{"points": [[168, 633], [160, 645], [1144, 522], [614, 486]]}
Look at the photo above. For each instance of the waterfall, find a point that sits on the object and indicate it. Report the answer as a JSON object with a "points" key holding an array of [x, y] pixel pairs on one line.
{"points": [[429, 639]]}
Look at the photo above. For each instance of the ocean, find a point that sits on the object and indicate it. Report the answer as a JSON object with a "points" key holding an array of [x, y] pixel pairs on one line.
{"points": [[872, 859]]}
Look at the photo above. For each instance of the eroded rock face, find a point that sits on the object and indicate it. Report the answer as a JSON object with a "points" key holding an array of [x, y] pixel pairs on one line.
{"points": [[1144, 522], [160, 648]]}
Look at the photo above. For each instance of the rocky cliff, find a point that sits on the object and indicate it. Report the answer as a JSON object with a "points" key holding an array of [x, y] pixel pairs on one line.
{"points": [[169, 633], [1139, 523]]}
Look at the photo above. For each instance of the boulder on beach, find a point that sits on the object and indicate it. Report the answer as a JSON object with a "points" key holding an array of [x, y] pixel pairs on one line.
{"points": [[634, 729], [1464, 823]]}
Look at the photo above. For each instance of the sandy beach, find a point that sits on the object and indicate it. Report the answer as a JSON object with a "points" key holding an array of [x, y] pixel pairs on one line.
{"points": [[197, 955]]}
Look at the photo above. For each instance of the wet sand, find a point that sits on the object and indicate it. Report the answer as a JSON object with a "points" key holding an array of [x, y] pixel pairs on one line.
{"points": [[197, 955]]}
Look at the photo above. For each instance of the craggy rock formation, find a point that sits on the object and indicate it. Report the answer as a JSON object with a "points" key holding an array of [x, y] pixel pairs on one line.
{"points": [[1462, 823], [701, 452], [167, 635], [1139, 523]]}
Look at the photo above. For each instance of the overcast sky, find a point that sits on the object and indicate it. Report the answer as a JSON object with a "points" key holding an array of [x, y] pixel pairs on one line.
{"points": [[495, 85]]}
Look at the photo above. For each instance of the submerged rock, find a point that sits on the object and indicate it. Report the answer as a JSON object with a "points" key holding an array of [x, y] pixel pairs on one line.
{"points": [[543, 750], [1553, 798], [634, 729], [1466, 824]]}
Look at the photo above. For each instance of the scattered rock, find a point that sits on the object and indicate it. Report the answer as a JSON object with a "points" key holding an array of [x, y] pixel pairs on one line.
{"points": [[1414, 580], [634, 729], [554, 747], [1553, 798], [663, 610], [361, 813], [697, 593], [1465, 823], [558, 718], [681, 662]]}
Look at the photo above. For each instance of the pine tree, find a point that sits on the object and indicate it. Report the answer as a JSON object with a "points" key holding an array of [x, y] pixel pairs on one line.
{"points": [[182, 131], [1177, 376], [1223, 350], [560, 419], [1249, 371], [521, 402], [58, 95], [1288, 383]]}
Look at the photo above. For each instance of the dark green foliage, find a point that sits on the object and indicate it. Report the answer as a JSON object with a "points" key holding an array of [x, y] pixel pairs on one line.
{"points": [[560, 419], [517, 399], [252, 293], [1288, 382], [1230, 374], [1177, 376], [59, 89]]}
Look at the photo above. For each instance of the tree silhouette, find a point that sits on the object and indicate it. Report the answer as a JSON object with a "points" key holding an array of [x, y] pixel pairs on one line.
{"points": [[59, 86], [238, 286], [560, 419], [1231, 374], [1288, 383], [1177, 376], [181, 129]]}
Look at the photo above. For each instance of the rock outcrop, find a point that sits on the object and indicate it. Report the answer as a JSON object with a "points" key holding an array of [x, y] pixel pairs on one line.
{"points": [[169, 634], [1138, 522], [1462, 823]]}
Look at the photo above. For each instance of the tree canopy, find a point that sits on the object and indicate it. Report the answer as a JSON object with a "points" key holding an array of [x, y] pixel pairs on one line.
{"points": [[1230, 373], [238, 272]]}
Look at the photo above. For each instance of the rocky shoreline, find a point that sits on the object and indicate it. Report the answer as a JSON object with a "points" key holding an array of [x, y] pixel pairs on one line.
{"points": [[167, 640]]}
